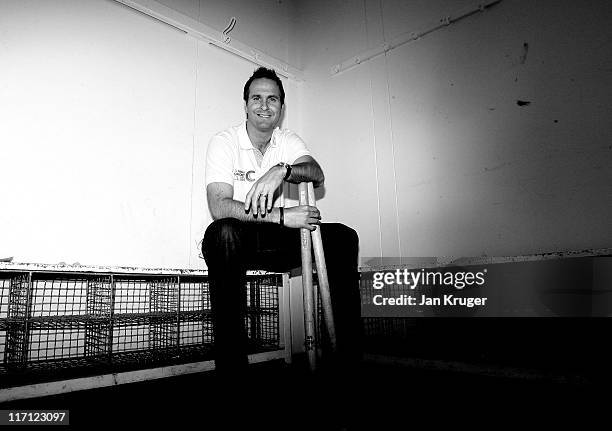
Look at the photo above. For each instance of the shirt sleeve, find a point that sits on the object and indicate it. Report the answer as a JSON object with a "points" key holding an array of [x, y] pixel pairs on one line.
{"points": [[219, 162], [294, 148]]}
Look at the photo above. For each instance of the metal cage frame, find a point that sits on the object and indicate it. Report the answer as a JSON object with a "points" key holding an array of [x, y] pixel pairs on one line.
{"points": [[62, 323]]}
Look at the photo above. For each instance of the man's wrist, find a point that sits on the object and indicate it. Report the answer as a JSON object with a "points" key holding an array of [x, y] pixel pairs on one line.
{"points": [[287, 169]]}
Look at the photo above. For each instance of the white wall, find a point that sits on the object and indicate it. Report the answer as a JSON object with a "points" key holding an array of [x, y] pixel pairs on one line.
{"points": [[426, 150], [261, 24], [96, 130], [105, 115]]}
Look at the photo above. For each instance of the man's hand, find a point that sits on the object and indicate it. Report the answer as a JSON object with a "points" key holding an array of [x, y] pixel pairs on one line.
{"points": [[303, 216], [261, 196]]}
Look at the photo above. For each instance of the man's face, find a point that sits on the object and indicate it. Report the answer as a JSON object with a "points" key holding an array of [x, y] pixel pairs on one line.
{"points": [[263, 106]]}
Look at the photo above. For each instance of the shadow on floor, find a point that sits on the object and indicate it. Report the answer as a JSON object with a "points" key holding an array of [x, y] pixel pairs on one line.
{"points": [[373, 396]]}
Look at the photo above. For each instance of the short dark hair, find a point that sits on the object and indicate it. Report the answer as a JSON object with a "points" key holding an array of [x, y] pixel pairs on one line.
{"points": [[262, 72]]}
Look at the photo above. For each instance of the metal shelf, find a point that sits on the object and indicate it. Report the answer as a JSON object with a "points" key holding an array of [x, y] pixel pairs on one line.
{"points": [[66, 323]]}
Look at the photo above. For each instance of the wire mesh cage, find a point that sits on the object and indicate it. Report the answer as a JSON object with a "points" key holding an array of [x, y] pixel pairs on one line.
{"points": [[75, 321], [262, 310], [55, 339], [5, 281], [2, 339], [5, 285]]}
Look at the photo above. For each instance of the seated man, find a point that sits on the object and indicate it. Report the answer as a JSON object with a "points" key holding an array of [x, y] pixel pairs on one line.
{"points": [[245, 167]]}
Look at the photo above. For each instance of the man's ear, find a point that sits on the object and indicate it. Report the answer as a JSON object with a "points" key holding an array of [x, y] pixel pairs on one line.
{"points": [[245, 110]]}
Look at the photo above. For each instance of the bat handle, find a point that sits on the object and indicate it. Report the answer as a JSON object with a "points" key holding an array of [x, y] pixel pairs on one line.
{"points": [[308, 292], [317, 243]]}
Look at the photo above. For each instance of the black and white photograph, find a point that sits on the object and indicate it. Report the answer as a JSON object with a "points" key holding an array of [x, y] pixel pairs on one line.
{"points": [[305, 214]]}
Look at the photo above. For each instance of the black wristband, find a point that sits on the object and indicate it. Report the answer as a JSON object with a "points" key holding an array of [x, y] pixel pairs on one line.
{"points": [[288, 174], [287, 167], [282, 216]]}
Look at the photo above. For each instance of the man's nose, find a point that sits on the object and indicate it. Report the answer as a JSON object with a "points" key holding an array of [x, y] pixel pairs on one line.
{"points": [[264, 105]]}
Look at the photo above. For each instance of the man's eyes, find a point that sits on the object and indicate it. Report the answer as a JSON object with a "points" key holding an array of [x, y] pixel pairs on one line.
{"points": [[270, 99]]}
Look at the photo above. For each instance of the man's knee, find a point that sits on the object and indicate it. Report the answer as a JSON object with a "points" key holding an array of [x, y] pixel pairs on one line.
{"points": [[221, 233], [342, 235], [223, 229]]}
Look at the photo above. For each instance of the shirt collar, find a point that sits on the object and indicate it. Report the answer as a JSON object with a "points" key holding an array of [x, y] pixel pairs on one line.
{"points": [[245, 142]]}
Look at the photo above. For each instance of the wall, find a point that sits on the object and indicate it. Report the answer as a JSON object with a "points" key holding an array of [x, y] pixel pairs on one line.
{"points": [[94, 136], [105, 115], [261, 24], [427, 152]]}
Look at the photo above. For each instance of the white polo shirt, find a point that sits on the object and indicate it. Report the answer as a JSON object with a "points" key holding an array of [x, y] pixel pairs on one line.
{"points": [[231, 157]]}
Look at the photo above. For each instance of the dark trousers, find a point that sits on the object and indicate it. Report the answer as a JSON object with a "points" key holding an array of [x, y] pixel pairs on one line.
{"points": [[231, 247]]}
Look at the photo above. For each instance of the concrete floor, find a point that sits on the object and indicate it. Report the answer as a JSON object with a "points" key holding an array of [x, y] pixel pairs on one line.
{"points": [[277, 396]]}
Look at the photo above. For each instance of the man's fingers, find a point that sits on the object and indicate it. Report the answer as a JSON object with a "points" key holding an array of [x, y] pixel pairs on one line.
{"points": [[247, 202], [254, 204], [314, 220], [251, 204], [262, 204], [314, 213], [270, 200]]}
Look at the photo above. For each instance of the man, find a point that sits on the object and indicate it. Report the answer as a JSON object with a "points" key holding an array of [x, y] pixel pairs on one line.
{"points": [[246, 166]]}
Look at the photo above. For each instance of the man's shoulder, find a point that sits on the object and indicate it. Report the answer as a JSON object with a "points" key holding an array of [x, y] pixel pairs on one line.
{"points": [[229, 134], [225, 140], [285, 134]]}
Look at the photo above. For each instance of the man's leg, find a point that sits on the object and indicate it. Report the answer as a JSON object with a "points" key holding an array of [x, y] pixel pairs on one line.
{"points": [[279, 250], [223, 249], [341, 247], [231, 247]]}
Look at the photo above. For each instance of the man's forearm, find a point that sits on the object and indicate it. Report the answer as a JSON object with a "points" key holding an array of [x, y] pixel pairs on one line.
{"points": [[235, 209], [306, 172]]}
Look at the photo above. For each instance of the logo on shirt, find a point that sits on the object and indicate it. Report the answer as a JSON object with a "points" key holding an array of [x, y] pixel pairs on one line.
{"points": [[243, 176]]}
